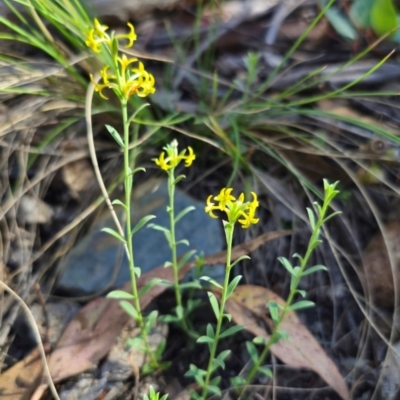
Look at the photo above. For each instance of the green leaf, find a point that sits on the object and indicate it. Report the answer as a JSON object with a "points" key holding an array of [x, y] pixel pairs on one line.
{"points": [[241, 258], [265, 371], [383, 17], [114, 233], [205, 339], [217, 363], [311, 217], [119, 294], [137, 271], [178, 179], [183, 241], [316, 268], [238, 381], [286, 263], [133, 116], [231, 331], [179, 311], [260, 340], [360, 12], [129, 309], [214, 390], [212, 281], [151, 283], [136, 343], [115, 135], [232, 285], [302, 304], [210, 331], [183, 213], [341, 23], [185, 258], [119, 203], [303, 293], [150, 321], [166, 231], [221, 356], [214, 303], [253, 352], [273, 309], [190, 285], [142, 222]]}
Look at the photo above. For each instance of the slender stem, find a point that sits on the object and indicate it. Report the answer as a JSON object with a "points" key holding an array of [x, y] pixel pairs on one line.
{"points": [[304, 261], [171, 211], [229, 238], [128, 189]]}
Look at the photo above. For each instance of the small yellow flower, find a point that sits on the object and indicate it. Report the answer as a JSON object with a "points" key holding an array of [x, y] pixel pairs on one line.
{"points": [[190, 157], [225, 198], [210, 207], [131, 36], [173, 157], [236, 209], [96, 36], [162, 163]]}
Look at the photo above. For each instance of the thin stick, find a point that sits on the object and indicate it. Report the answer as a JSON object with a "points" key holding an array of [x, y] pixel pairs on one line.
{"points": [[37, 337]]}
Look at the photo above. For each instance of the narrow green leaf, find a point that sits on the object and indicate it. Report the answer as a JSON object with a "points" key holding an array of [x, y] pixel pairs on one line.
{"points": [[129, 180], [133, 116], [119, 203], [223, 355], [341, 24], [142, 222], [129, 309], [178, 179], [273, 309], [217, 363], [205, 339], [190, 285], [212, 281], [151, 283], [214, 303], [150, 321], [183, 241], [286, 263], [302, 304], [210, 331], [184, 212], [303, 293], [231, 331], [136, 343], [253, 352], [241, 258], [115, 135], [114, 233], [232, 285], [119, 294], [316, 268], [311, 217], [265, 371], [185, 258], [137, 271], [260, 340], [214, 390], [179, 311]]}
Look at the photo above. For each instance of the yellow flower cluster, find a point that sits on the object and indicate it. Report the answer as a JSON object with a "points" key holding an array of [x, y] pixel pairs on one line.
{"points": [[173, 157], [125, 82], [235, 209]]}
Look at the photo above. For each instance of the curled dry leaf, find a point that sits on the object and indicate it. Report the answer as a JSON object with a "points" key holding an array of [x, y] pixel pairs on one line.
{"points": [[92, 332], [248, 303]]}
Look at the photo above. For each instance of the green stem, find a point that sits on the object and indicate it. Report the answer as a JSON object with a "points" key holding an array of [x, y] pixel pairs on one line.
{"points": [[229, 239], [171, 211], [128, 179], [275, 333]]}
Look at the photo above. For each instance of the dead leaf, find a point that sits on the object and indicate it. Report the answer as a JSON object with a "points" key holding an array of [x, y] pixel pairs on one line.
{"points": [[301, 350], [32, 210], [78, 176], [377, 275], [92, 332]]}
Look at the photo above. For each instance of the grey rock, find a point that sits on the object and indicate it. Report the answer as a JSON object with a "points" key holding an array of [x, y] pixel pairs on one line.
{"points": [[98, 261]]}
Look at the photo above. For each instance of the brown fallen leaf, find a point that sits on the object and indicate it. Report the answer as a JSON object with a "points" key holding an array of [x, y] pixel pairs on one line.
{"points": [[91, 333], [301, 350]]}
